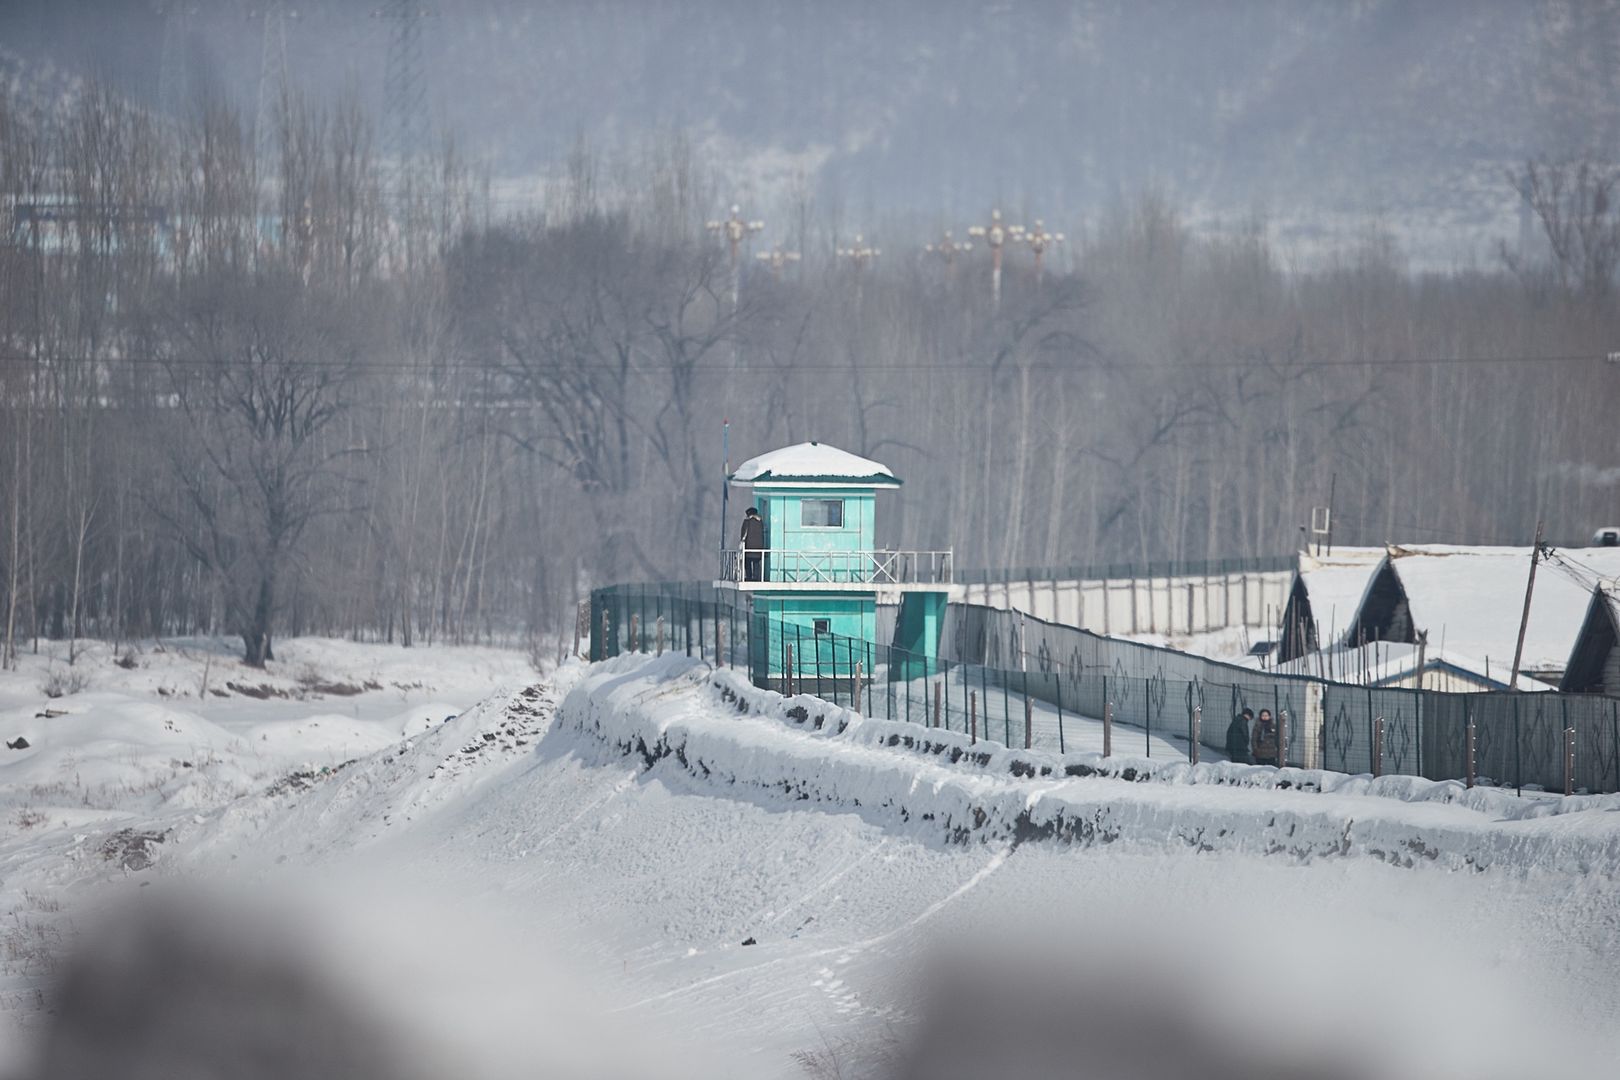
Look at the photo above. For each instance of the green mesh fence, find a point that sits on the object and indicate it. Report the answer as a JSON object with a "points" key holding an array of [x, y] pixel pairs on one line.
{"points": [[1011, 679]]}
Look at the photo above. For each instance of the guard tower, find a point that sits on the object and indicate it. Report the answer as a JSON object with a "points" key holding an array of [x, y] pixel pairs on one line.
{"points": [[821, 576]]}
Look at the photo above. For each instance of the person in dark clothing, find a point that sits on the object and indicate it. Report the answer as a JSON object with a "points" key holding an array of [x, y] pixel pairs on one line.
{"points": [[1237, 738], [753, 544], [1264, 740]]}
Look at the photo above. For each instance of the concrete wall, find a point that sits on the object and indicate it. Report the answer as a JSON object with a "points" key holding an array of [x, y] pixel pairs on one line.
{"points": [[1165, 605]]}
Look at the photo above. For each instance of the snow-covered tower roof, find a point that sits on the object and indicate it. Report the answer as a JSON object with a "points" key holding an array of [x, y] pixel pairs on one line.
{"points": [[814, 463]]}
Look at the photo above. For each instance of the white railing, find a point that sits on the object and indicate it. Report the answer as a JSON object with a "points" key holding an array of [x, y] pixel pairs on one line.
{"points": [[837, 567]]}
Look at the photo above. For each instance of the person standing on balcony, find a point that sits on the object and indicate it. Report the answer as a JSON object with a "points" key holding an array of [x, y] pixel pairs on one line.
{"points": [[753, 544]]}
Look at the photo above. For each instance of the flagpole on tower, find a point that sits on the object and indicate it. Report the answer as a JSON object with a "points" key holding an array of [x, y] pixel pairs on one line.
{"points": [[725, 471]]}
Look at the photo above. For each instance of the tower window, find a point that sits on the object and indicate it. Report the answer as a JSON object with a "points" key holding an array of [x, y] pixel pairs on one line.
{"points": [[821, 513]]}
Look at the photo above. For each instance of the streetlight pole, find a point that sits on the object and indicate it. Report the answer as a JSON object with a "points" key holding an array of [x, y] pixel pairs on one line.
{"points": [[735, 229], [1039, 240], [948, 249], [776, 259], [859, 254], [996, 235]]}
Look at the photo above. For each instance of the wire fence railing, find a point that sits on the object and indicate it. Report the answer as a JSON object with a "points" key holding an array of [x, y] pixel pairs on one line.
{"points": [[1115, 571], [1015, 680]]}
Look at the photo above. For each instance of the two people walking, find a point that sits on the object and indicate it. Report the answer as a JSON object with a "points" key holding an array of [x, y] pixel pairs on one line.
{"points": [[1252, 740]]}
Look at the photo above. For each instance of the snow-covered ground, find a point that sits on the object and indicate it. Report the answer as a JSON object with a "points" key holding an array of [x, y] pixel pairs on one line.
{"points": [[647, 868], [1229, 643]]}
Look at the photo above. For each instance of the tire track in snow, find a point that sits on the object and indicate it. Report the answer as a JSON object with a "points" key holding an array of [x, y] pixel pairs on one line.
{"points": [[619, 788], [844, 953], [816, 890]]}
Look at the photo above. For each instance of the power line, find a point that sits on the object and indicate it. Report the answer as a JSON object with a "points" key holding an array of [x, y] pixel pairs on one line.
{"points": [[745, 366]]}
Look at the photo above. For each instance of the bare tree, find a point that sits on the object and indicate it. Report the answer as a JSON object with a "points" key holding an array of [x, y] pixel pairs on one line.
{"points": [[261, 369]]}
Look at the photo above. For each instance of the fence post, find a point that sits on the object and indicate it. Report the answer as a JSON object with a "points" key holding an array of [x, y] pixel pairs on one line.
{"points": [[856, 702], [1057, 683], [1147, 718], [635, 632], [1469, 746], [1518, 764], [1569, 761], [660, 635], [869, 679], [1282, 738], [1029, 715], [984, 695], [816, 640], [1006, 710], [787, 669], [973, 717], [602, 651], [1108, 729], [719, 652], [581, 614], [905, 684], [1197, 728], [1378, 747], [936, 704]]}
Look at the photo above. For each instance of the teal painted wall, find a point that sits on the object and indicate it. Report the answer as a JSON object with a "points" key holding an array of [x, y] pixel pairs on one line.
{"points": [[790, 619], [850, 616], [917, 630], [783, 516]]}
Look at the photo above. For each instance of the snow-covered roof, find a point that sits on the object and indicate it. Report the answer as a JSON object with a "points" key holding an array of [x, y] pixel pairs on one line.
{"points": [[1470, 599], [815, 463], [1335, 584]]}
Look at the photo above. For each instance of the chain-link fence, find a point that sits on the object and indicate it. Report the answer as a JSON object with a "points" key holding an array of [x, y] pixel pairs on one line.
{"points": [[1013, 679]]}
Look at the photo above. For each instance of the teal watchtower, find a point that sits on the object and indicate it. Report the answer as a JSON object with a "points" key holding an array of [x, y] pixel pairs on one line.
{"points": [[818, 581]]}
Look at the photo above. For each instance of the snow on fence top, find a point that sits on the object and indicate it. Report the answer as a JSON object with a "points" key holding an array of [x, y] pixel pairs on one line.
{"points": [[1473, 597], [815, 463]]}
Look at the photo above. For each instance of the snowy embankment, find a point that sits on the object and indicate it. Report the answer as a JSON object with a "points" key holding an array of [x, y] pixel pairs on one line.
{"points": [[125, 761], [773, 878], [719, 732]]}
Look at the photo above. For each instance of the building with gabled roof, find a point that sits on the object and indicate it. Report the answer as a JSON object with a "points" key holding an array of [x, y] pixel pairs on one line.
{"points": [[1594, 662], [1470, 601], [1324, 597]]}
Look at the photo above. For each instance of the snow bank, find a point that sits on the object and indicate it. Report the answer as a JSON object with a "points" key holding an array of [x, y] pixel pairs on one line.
{"points": [[718, 733]]}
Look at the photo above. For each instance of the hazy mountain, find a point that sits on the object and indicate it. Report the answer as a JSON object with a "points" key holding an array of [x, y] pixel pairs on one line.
{"points": [[1322, 114]]}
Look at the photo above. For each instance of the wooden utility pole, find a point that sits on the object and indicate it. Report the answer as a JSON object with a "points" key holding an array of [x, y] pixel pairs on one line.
{"points": [[1524, 619]]}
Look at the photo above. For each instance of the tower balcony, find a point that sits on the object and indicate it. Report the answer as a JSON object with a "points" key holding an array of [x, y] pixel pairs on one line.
{"points": [[812, 571]]}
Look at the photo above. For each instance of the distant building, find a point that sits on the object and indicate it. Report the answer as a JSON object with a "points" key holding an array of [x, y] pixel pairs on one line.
{"points": [[1470, 600], [821, 574], [1594, 662], [1396, 664], [1324, 597]]}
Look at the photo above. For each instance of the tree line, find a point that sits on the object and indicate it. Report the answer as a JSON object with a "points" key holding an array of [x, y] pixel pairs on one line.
{"points": [[325, 392]]}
